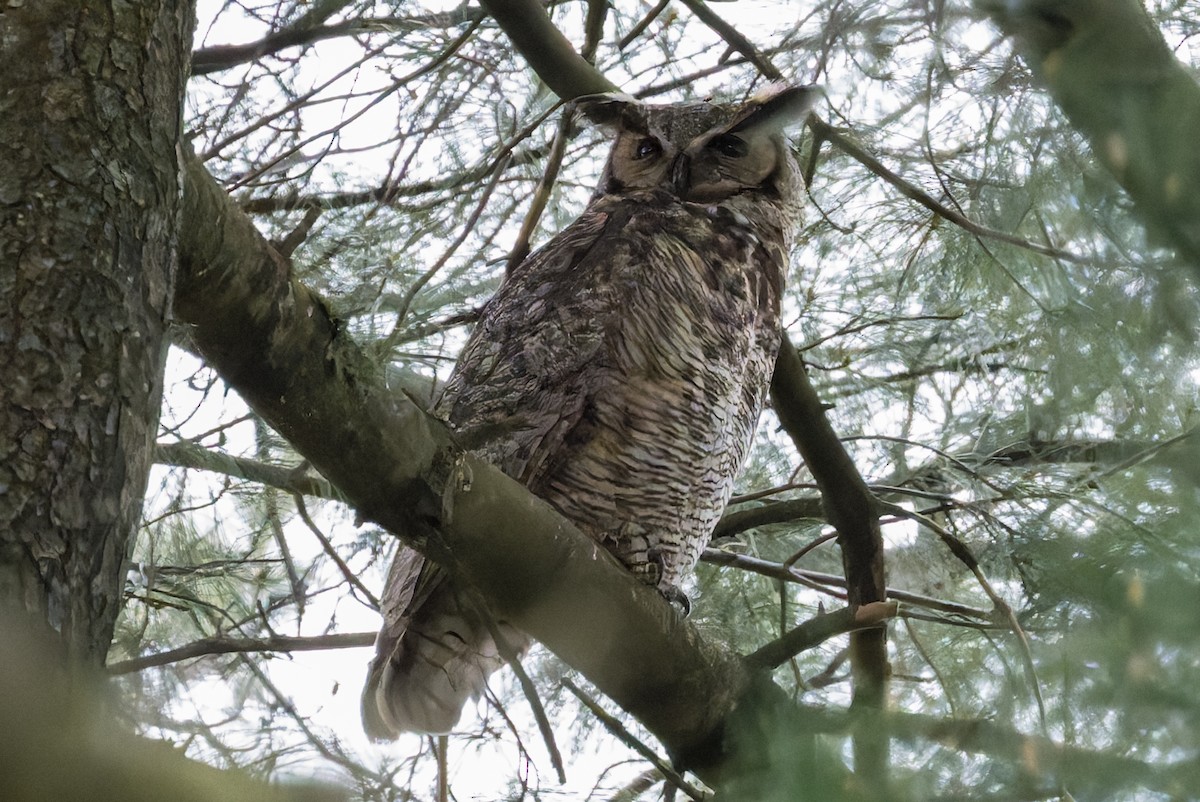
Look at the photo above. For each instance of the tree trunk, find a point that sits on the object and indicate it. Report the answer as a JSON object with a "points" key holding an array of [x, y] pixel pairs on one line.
{"points": [[90, 121]]}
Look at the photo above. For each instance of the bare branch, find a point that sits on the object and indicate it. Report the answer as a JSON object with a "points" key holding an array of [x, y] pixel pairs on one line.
{"points": [[223, 644], [614, 725], [824, 582], [187, 455], [854, 512], [735, 39], [775, 512], [351, 578], [548, 52], [308, 30], [819, 629]]}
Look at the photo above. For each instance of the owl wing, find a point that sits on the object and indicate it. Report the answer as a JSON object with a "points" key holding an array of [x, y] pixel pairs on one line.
{"points": [[516, 390], [433, 652], [617, 372], [628, 360]]}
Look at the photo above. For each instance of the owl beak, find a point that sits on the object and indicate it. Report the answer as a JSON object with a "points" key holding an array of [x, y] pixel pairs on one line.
{"points": [[681, 174]]}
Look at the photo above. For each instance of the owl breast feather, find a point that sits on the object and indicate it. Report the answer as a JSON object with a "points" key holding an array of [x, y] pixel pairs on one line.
{"points": [[625, 364]]}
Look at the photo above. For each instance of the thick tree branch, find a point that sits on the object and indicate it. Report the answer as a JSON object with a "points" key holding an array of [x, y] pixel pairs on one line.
{"points": [[1119, 84], [275, 342], [548, 52]]}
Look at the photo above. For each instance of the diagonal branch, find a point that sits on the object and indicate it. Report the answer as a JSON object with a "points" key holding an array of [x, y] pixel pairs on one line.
{"points": [[734, 38], [854, 512], [1109, 68], [305, 30], [310, 28], [548, 52], [825, 131], [614, 725], [274, 341], [819, 629], [190, 455]]}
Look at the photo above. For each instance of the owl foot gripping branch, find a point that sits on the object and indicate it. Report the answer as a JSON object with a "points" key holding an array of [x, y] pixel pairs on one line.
{"points": [[624, 365]]}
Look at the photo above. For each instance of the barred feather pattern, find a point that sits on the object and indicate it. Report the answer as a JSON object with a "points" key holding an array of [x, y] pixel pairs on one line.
{"points": [[618, 372], [630, 358]]}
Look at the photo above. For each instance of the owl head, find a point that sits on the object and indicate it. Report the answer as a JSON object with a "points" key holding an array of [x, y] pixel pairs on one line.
{"points": [[702, 152]]}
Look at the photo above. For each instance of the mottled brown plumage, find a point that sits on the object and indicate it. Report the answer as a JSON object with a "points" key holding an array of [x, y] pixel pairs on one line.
{"points": [[624, 364]]}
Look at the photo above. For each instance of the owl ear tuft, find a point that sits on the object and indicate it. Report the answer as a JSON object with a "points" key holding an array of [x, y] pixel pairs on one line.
{"points": [[778, 108], [609, 109]]}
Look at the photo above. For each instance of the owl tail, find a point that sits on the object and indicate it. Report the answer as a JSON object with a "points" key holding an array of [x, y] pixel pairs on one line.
{"points": [[431, 656]]}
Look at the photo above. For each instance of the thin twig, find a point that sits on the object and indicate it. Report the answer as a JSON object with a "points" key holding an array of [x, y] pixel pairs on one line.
{"points": [[822, 581], [221, 644], [441, 747], [855, 151], [513, 658], [928, 658], [643, 24], [614, 726], [271, 507], [541, 195], [187, 455], [735, 39], [428, 275], [349, 575], [1003, 610]]}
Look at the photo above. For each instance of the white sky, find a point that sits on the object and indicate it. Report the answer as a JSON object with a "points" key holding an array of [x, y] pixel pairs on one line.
{"points": [[325, 685]]}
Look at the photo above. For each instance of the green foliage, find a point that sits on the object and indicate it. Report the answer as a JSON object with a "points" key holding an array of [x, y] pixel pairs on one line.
{"points": [[1033, 406]]}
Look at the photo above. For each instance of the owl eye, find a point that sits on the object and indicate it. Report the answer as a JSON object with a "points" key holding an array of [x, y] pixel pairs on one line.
{"points": [[646, 148], [729, 145]]}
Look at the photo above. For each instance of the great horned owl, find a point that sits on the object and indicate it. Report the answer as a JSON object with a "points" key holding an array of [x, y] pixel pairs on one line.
{"points": [[625, 365]]}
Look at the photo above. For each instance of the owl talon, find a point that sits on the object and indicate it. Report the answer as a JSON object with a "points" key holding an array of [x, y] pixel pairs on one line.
{"points": [[666, 289], [677, 598]]}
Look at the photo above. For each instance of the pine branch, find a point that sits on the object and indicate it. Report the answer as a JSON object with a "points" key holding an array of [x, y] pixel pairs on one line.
{"points": [[1109, 68]]}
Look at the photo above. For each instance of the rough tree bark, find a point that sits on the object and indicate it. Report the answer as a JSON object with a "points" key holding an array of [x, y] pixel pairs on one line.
{"points": [[90, 195], [91, 99]]}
